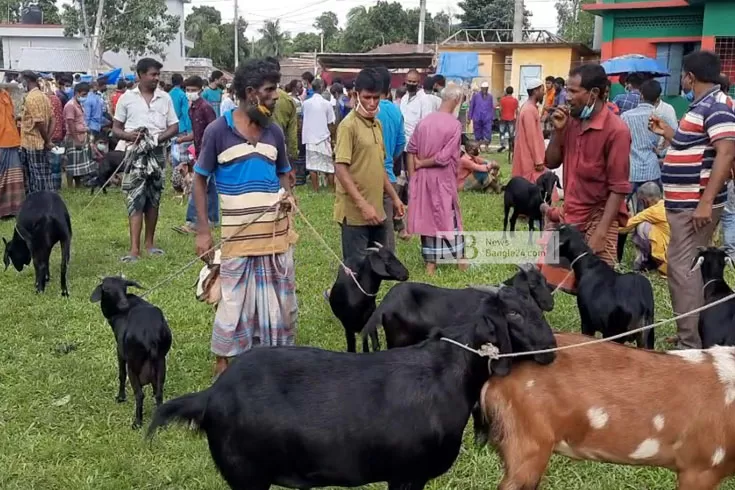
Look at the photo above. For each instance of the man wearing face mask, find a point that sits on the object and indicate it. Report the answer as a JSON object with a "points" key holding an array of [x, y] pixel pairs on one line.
{"points": [[246, 153], [594, 146], [412, 105], [201, 115], [695, 171], [361, 175], [79, 163]]}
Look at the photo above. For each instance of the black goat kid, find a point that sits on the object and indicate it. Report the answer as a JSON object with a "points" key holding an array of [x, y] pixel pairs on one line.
{"points": [[353, 305], [301, 417], [525, 198], [609, 302], [42, 222], [142, 336], [717, 323]]}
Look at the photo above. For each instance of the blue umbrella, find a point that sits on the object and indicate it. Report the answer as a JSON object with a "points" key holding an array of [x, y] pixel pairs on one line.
{"points": [[634, 63]]}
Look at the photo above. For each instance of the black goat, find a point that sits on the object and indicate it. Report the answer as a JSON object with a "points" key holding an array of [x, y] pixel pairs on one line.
{"points": [[526, 198], [350, 304], [142, 336], [302, 417], [110, 165], [609, 302], [717, 323], [42, 221], [409, 311]]}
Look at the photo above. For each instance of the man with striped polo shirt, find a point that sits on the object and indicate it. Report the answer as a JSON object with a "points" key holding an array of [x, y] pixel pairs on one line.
{"points": [[695, 171]]}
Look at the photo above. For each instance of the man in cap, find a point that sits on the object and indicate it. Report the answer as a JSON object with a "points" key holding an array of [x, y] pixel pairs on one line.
{"points": [[482, 110], [528, 158]]}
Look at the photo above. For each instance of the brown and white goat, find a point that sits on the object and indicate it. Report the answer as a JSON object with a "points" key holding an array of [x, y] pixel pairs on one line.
{"points": [[611, 403]]}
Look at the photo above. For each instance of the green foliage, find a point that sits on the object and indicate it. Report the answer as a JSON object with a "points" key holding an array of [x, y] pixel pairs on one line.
{"points": [[490, 14], [10, 11], [306, 42], [575, 25], [216, 41], [135, 26], [328, 25]]}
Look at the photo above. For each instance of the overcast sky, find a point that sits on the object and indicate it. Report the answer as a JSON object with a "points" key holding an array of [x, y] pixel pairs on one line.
{"points": [[298, 16]]}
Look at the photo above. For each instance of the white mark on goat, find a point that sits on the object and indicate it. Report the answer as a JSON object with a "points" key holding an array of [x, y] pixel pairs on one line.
{"points": [[718, 456], [695, 356], [530, 383], [646, 449], [598, 417], [658, 422], [724, 363], [677, 445]]}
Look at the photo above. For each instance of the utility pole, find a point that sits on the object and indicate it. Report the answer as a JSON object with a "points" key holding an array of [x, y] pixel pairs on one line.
{"points": [[422, 24], [237, 37], [96, 36], [518, 21], [90, 61], [321, 42]]}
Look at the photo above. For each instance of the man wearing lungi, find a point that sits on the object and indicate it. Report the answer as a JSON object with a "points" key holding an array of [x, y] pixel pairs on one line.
{"points": [[246, 153], [35, 135], [319, 117], [149, 107]]}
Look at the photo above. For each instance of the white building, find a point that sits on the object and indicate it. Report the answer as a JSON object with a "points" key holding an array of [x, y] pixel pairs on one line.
{"points": [[45, 48]]}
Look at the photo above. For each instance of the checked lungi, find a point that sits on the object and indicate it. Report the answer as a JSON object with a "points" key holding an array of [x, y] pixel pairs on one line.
{"points": [[79, 162], [12, 182], [37, 170]]}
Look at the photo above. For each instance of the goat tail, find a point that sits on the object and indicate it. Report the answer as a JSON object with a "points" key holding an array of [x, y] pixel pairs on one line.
{"points": [[189, 408]]}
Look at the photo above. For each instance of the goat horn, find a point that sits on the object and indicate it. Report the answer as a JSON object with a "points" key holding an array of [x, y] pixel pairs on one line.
{"points": [[378, 244], [373, 249]]}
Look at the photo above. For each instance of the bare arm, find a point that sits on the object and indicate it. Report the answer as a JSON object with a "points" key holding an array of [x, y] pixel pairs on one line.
{"points": [[388, 188], [118, 129], [45, 132], [170, 132], [555, 151], [200, 198]]}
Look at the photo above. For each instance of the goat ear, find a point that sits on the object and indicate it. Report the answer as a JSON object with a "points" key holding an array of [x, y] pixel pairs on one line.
{"points": [[377, 264], [697, 263], [558, 183], [96, 294]]}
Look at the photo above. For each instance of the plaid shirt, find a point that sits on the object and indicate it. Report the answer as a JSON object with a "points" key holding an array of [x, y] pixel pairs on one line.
{"points": [[643, 158], [627, 101], [36, 109]]}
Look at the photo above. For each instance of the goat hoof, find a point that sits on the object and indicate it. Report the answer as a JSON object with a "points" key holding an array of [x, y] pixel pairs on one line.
{"points": [[120, 398], [137, 424], [65, 294]]}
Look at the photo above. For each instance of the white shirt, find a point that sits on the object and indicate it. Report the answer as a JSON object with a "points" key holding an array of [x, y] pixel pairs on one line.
{"points": [[666, 112], [414, 109], [134, 112], [318, 114], [432, 102]]}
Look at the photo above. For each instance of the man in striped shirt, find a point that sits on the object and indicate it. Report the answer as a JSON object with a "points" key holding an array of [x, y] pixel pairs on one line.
{"points": [[695, 171]]}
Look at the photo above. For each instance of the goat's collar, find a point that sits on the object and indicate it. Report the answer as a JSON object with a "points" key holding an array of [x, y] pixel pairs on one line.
{"points": [[710, 282], [487, 350], [571, 265], [17, 230]]}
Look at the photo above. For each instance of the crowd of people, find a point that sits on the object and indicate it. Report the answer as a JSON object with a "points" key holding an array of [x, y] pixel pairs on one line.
{"points": [[397, 158]]}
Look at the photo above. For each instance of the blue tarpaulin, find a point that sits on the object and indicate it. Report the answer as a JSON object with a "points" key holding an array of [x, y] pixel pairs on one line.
{"points": [[459, 65], [112, 76]]}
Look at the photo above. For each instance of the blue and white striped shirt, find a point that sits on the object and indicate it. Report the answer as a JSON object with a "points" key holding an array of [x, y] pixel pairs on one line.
{"points": [[644, 165]]}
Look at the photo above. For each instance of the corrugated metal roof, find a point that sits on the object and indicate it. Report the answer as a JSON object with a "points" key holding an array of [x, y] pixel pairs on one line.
{"points": [[400, 48], [55, 60]]}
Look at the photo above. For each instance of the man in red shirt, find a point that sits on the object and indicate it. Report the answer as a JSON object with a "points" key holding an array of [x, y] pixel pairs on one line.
{"points": [[594, 145], [508, 115]]}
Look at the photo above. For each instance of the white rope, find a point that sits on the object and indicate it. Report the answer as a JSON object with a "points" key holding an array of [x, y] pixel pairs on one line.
{"points": [[487, 350], [710, 282], [571, 271]]}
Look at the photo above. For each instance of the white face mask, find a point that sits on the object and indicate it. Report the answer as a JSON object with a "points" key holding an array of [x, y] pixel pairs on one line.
{"points": [[192, 96]]}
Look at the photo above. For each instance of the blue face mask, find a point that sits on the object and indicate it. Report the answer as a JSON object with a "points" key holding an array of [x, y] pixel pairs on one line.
{"points": [[588, 109], [689, 96], [69, 92], [82, 100]]}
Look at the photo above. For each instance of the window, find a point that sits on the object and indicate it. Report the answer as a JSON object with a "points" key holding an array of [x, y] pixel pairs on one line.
{"points": [[670, 55], [725, 48], [527, 72]]}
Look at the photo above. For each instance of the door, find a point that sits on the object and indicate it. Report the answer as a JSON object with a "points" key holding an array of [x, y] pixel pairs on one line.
{"points": [[527, 72]]}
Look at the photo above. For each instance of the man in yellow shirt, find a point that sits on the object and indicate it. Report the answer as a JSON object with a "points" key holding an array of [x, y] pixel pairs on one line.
{"points": [[652, 232]]}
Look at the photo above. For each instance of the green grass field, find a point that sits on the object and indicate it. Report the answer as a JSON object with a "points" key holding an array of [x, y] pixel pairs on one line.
{"points": [[60, 427]]}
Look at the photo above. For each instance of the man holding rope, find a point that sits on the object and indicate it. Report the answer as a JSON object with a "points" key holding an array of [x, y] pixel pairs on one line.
{"points": [[150, 108], [594, 146], [246, 152]]}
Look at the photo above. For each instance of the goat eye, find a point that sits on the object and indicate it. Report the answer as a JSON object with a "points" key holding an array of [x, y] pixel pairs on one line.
{"points": [[514, 314]]}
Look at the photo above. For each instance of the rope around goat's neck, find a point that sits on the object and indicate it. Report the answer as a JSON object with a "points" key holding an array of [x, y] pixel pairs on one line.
{"points": [[569, 274], [487, 350]]}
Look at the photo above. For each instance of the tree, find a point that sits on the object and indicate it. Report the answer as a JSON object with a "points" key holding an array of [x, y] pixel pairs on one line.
{"points": [[575, 24], [199, 20], [306, 42], [490, 14], [328, 25], [217, 42], [436, 30], [11, 11], [134, 26], [273, 42], [368, 28]]}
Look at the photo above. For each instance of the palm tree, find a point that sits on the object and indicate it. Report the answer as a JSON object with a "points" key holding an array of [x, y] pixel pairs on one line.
{"points": [[273, 40]]}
